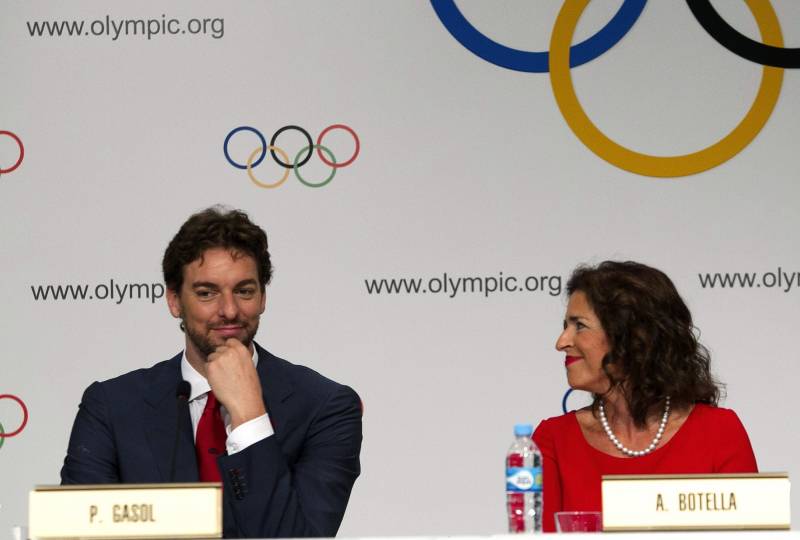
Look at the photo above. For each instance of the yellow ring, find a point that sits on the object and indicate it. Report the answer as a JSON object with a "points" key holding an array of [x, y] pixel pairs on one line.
{"points": [[661, 166], [255, 180]]}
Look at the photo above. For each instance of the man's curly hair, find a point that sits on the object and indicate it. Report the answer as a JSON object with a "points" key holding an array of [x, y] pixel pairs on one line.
{"points": [[215, 227]]}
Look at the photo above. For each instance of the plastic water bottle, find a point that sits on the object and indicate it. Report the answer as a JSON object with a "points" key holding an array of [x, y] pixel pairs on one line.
{"points": [[524, 482]]}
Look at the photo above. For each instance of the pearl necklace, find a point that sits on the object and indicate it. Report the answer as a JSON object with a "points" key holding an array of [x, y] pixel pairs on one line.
{"points": [[619, 445]]}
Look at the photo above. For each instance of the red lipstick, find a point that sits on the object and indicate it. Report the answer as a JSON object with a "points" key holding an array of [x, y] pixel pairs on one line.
{"points": [[570, 360]]}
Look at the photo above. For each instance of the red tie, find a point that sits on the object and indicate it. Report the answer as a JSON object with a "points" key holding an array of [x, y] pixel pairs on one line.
{"points": [[209, 442]]}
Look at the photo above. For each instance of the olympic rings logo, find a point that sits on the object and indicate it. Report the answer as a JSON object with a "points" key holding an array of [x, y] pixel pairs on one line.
{"points": [[7, 434], [561, 57], [301, 157], [564, 406], [21, 153]]}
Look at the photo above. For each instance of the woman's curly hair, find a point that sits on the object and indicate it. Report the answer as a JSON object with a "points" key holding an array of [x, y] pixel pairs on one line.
{"points": [[654, 348]]}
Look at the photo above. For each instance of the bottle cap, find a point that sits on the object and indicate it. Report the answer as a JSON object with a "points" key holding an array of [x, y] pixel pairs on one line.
{"points": [[523, 430]]}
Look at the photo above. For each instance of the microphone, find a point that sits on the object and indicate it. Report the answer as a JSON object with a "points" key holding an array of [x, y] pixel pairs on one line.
{"points": [[182, 392]]}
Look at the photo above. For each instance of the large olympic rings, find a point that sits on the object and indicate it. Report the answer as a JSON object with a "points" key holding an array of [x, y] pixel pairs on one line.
{"points": [[302, 157], [3, 433], [728, 37], [21, 153], [771, 54], [530, 61], [659, 166]]}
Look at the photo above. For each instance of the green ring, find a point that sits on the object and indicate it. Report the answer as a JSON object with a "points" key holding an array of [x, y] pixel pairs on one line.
{"points": [[297, 169], [2, 439]]}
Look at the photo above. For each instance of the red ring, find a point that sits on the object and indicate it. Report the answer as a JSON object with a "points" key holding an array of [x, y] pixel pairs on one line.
{"points": [[21, 404], [344, 163], [21, 152]]}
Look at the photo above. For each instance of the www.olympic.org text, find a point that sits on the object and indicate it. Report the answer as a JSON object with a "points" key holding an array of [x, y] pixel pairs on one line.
{"points": [[111, 291], [452, 285], [778, 279], [114, 28]]}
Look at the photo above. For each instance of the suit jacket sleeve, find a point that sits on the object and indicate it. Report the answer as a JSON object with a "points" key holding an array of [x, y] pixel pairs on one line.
{"points": [[269, 495], [91, 455]]}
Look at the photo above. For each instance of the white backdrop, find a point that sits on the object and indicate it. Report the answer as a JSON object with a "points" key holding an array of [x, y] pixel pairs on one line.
{"points": [[465, 168]]}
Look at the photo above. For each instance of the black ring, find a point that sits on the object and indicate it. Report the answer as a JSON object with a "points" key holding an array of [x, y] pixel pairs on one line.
{"points": [[289, 165], [739, 44]]}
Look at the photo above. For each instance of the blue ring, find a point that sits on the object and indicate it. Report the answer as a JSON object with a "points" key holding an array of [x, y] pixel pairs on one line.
{"points": [[530, 61], [564, 401], [234, 132]]}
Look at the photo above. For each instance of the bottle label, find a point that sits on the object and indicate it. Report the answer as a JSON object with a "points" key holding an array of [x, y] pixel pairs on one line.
{"points": [[522, 479]]}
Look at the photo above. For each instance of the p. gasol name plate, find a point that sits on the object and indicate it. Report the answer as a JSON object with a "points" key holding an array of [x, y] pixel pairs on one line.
{"points": [[668, 502], [126, 511]]}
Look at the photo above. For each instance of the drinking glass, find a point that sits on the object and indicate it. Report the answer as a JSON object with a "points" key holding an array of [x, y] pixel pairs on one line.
{"points": [[568, 522]]}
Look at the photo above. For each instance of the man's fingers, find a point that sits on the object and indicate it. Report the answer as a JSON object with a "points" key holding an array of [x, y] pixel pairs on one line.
{"points": [[231, 345], [219, 351], [234, 343]]}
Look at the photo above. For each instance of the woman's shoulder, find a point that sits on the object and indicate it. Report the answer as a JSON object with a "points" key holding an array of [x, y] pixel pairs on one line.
{"points": [[555, 427], [724, 436], [555, 422], [712, 413], [712, 421]]}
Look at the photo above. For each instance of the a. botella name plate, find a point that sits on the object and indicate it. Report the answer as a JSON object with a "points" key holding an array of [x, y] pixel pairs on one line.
{"points": [[668, 502], [126, 511]]}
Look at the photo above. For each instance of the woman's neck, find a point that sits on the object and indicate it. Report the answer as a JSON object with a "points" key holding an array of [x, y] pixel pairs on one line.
{"points": [[620, 419]]}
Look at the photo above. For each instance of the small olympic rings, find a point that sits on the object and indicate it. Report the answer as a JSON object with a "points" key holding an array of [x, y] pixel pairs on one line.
{"points": [[234, 132], [564, 400], [281, 157], [319, 148], [3, 433], [255, 180], [565, 407], [295, 164], [21, 152]]}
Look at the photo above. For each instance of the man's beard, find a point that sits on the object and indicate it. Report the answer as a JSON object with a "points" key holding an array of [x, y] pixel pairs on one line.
{"points": [[204, 345]]}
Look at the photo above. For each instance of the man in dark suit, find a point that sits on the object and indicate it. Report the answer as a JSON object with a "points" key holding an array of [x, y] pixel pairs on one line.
{"points": [[282, 439]]}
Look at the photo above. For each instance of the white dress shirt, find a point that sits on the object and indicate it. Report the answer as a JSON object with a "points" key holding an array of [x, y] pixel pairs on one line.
{"points": [[240, 438]]}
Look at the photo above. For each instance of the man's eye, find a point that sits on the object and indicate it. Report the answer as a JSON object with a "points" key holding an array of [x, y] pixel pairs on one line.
{"points": [[204, 294], [579, 325], [247, 292]]}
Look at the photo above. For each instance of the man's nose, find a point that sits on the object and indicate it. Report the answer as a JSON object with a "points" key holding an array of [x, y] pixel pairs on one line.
{"points": [[228, 308]]}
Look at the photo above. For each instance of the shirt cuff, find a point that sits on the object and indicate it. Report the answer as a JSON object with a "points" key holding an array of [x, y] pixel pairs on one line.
{"points": [[249, 433]]}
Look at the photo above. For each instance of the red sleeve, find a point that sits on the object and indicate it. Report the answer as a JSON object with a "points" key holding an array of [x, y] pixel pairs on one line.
{"points": [[543, 437], [733, 453]]}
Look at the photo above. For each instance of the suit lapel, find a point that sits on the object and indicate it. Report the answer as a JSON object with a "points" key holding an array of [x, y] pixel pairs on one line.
{"points": [[161, 421], [276, 389]]}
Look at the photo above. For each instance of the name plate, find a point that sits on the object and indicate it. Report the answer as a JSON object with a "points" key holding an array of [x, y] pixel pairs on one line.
{"points": [[669, 502], [126, 511]]}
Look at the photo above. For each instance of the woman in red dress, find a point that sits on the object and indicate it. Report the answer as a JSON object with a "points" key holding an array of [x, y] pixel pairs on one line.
{"points": [[629, 340]]}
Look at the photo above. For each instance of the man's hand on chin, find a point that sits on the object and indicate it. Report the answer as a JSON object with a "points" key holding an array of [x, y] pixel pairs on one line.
{"points": [[234, 381]]}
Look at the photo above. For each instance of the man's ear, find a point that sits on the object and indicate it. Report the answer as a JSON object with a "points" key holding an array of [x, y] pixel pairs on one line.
{"points": [[174, 303], [263, 302]]}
